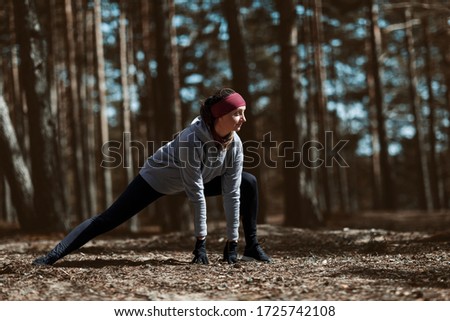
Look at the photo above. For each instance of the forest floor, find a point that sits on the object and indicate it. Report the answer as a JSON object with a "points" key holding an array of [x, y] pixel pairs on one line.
{"points": [[379, 256]]}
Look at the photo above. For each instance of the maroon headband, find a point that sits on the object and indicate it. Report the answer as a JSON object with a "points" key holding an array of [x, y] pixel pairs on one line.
{"points": [[227, 105]]}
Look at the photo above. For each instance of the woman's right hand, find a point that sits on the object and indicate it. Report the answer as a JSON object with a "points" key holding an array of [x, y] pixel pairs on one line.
{"points": [[200, 256]]}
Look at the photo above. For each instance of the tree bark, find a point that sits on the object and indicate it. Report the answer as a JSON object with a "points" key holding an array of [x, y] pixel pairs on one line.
{"points": [[446, 58], [16, 172], [424, 191], [48, 196], [168, 110], [127, 157], [84, 57], [298, 209], [75, 144], [106, 181], [241, 83], [433, 160], [19, 105], [321, 101], [382, 168], [90, 148]]}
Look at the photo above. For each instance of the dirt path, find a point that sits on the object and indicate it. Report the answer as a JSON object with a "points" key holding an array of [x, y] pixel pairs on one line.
{"points": [[334, 264]]}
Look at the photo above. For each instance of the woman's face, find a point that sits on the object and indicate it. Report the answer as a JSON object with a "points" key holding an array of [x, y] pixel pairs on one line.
{"points": [[231, 121]]}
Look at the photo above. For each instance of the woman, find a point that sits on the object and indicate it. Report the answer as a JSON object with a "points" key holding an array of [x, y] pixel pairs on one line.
{"points": [[205, 159]]}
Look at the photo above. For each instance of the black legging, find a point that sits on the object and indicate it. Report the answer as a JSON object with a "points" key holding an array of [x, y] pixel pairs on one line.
{"points": [[138, 195]]}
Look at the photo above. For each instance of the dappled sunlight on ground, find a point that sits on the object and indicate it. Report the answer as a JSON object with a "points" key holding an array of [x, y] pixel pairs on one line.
{"points": [[339, 263]]}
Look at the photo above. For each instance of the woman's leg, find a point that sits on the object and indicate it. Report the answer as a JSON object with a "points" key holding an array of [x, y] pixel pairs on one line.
{"points": [[136, 197], [249, 213], [248, 203], [248, 209]]}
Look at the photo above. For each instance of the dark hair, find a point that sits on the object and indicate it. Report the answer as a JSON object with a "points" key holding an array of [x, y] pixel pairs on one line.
{"points": [[207, 117]]}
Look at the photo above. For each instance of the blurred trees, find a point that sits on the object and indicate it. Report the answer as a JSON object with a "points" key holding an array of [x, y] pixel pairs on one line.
{"points": [[46, 171], [384, 195], [90, 88]]}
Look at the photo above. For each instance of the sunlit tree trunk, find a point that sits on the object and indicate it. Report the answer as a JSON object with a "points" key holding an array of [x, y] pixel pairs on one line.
{"points": [[381, 166], [48, 196], [127, 159], [16, 172], [7, 211], [424, 191], [90, 140], [20, 187], [106, 181], [84, 55], [18, 104]]}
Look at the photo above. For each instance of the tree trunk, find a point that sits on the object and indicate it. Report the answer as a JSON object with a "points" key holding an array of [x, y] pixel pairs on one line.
{"points": [[90, 148], [168, 112], [84, 56], [19, 105], [298, 209], [241, 83], [446, 58], [145, 119], [309, 132], [376, 177], [48, 196], [146, 93], [58, 101], [16, 172], [424, 191], [321, 101], [75, 144], [7, 213], [127, 157], [106, 181], [382, 168], [433, 161]]}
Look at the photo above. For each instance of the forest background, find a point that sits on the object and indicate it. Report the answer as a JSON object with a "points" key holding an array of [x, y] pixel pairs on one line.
{"points": [[348, 104]]}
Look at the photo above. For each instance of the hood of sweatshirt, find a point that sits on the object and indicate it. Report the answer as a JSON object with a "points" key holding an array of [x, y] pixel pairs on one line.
{"points": [[201, 130]]}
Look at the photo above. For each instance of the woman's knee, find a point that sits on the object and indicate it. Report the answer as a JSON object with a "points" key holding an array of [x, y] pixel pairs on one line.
{"points": [[249, 182]]}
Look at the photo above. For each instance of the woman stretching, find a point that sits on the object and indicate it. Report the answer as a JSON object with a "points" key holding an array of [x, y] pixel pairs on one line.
{"points": [[205, 159]]}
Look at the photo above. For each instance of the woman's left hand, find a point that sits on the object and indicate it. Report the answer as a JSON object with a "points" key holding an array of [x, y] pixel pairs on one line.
{"points": [[200, 256]]}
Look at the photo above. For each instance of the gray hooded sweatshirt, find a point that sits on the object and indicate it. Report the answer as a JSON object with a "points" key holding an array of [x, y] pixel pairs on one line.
{"points": [[192, 160]]}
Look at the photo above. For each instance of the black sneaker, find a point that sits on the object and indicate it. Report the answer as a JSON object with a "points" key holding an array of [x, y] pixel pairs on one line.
{"points": [[230, 252], [45, 260], [256, 253]]}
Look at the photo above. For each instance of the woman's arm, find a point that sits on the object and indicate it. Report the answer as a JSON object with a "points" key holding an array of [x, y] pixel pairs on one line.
{"points": [[190, 156], [231, 183]]}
